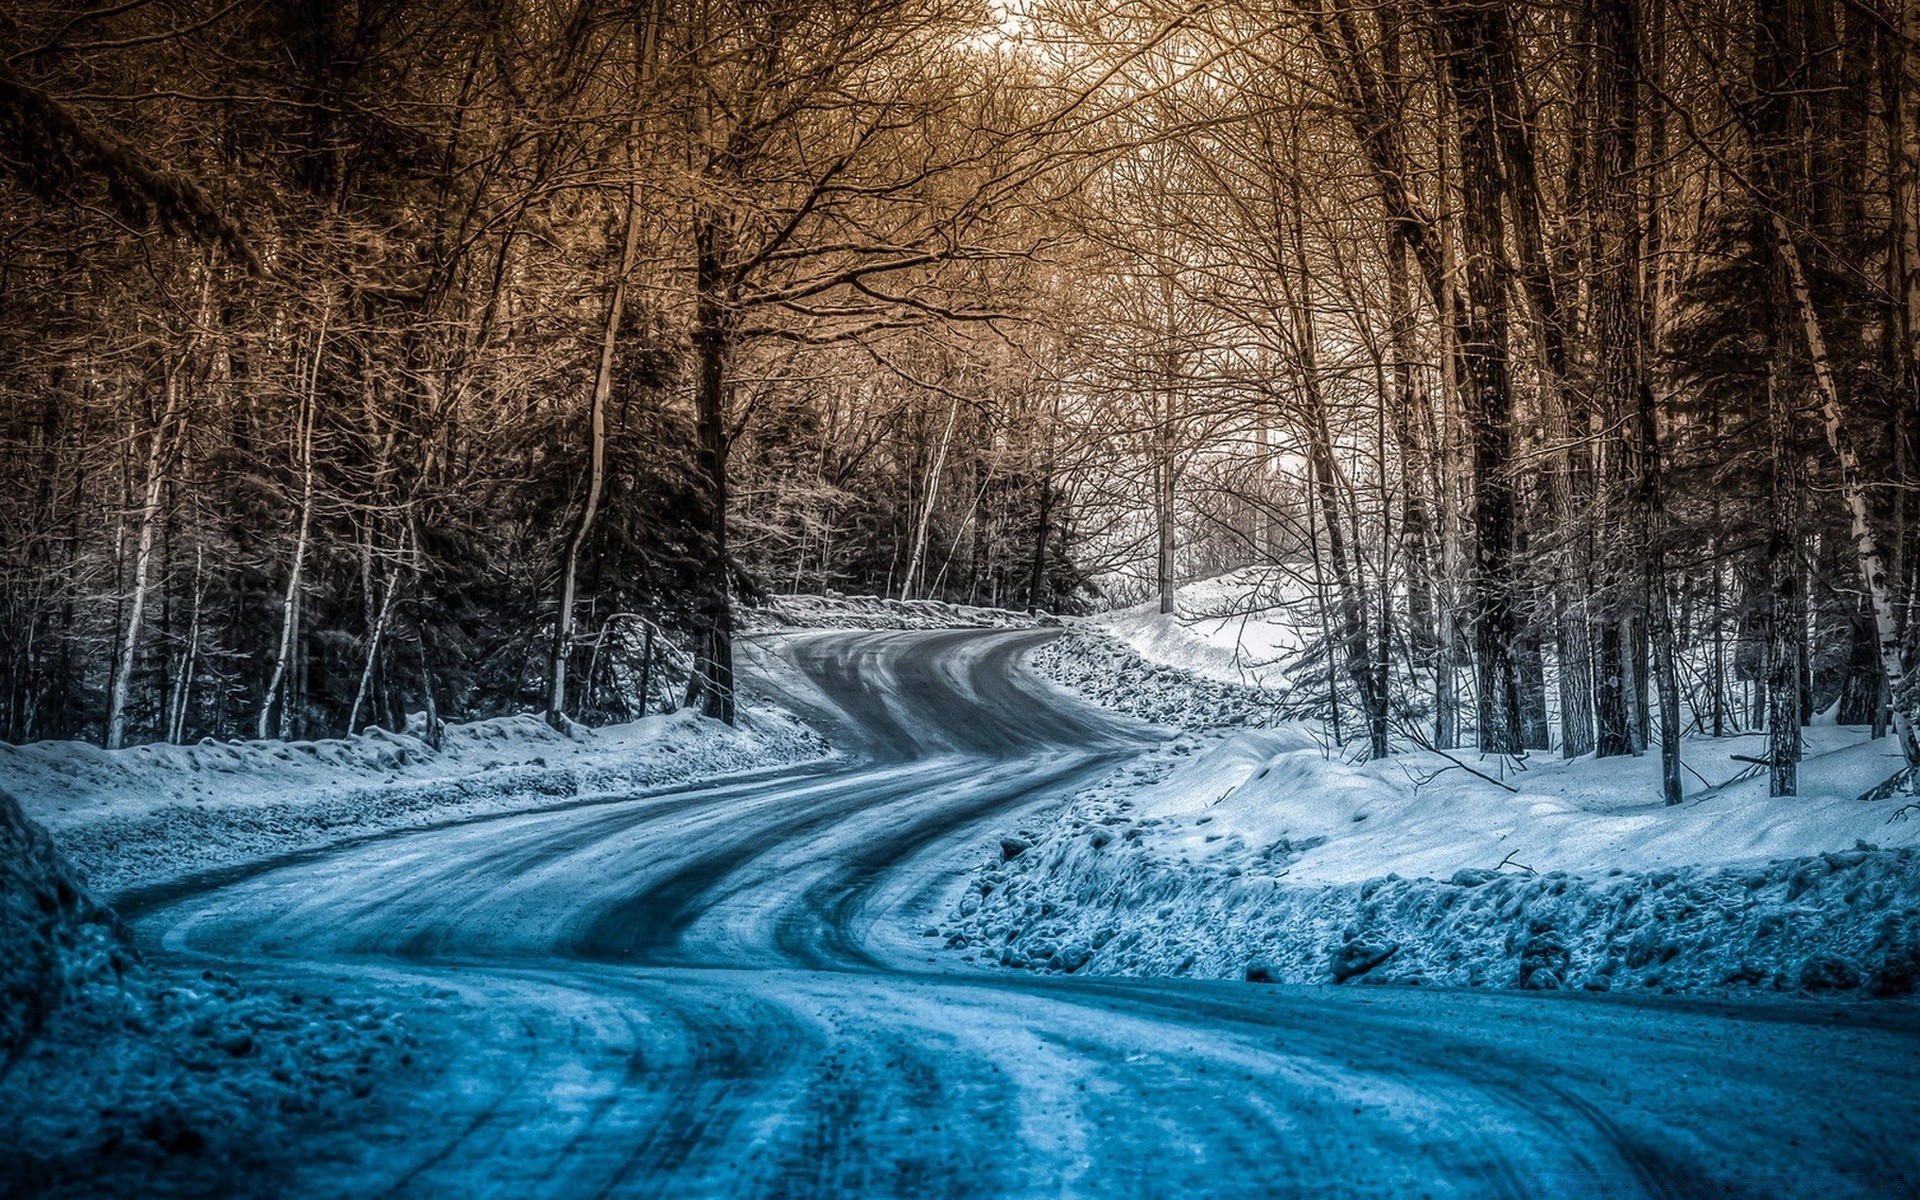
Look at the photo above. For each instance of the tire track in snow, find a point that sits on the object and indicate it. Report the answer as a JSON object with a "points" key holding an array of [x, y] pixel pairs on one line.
{"points": [[724, 998]]}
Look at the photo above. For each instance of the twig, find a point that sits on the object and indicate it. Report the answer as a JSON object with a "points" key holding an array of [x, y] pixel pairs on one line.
{"points": [[1509, 859]]}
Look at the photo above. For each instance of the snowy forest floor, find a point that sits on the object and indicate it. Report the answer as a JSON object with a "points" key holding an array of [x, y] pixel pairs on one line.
{"points": [[1248, 847]]}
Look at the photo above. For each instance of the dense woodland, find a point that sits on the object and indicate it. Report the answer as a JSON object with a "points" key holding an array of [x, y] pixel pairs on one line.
{"points": [[472, 357]]}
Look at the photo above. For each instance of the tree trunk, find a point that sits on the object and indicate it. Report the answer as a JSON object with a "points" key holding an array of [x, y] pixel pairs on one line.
{"points": [[1866, 544], [711, 687], [182, 698], [1037, 565], [930, 496], [1485, 387], [1415, 531], [157, 453], [290, 601], [1786, 627], [375, 633], [563, 624]]}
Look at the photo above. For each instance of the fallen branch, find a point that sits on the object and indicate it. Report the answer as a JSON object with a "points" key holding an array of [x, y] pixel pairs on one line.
{"points": [[1901, 783], [1419, 739]]}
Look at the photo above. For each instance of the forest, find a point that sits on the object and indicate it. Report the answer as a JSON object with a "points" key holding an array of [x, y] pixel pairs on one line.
{"points": [[465, 357]]}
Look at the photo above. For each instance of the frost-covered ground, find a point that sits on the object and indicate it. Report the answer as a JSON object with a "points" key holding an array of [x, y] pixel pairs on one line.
{"points": [[150, 814], [120, 1074], [1264, 853], [460, 1009]]}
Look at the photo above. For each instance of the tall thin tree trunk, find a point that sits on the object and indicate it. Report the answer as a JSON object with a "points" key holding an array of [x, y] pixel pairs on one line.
{"points": [[711, 686], [1786, 629], [1866, 543], [182, 698], [374, 635], [930, 496], [157, 454], [562, 648], [290, 601]]}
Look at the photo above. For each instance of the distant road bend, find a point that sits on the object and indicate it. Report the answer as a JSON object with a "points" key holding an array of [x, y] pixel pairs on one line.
{"points": [[727, 991]]}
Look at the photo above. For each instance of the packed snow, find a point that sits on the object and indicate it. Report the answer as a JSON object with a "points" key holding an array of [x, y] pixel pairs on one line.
{"points": [[1254, 626], [834, 611], [57, 944], [1096, 665]]}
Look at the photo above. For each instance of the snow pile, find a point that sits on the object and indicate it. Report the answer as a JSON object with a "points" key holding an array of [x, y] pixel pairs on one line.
{"points": [[186, 1084], [1837, 922], [111, 1074], [834, 611], [1259, 855], [1100, 667], [147, 814], [57, 944]]}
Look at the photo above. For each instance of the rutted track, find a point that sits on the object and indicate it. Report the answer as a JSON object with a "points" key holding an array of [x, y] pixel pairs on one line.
{"points": [[723, 991]]}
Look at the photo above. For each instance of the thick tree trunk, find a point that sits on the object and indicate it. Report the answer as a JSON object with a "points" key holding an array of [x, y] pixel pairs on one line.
{"points": [[711, 687], [1485, 388]]}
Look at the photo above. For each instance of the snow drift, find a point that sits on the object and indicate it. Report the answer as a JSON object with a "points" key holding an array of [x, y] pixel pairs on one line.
{"points": [[148, 814]]}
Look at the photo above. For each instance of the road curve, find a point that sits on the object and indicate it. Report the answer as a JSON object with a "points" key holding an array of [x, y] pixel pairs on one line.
{"points": [[725, 991]]}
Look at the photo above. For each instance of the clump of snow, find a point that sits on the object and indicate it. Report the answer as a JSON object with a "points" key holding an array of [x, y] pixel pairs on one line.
{"points": [[1260, 854], [1097, 665], [834, 611], [57, 944], [148, 814], [114, 1077]]}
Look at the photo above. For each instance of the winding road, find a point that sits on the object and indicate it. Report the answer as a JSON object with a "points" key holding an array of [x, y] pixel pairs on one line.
{"points": [[727, 990]]}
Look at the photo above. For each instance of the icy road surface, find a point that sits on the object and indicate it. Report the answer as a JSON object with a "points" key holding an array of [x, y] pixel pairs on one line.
{"points": [[726, 991]]}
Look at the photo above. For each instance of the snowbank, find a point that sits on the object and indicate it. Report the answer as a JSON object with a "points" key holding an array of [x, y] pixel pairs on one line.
{"points": [[57, 944], [1251, 626], [187, 1083], [143, 815], [1098, 666], [834, 611], [1259, 855], [112, 1075]]}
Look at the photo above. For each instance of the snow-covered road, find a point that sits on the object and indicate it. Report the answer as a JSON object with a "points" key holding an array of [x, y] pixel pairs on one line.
{"points": [[727, 990]]}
